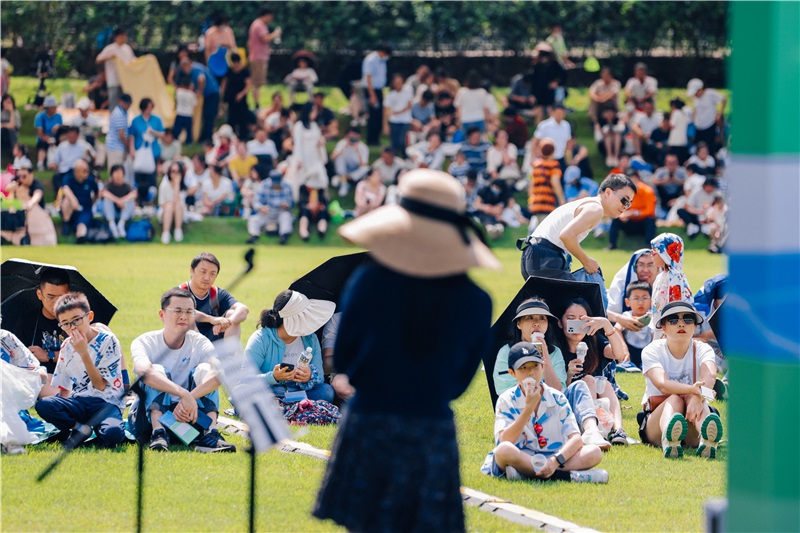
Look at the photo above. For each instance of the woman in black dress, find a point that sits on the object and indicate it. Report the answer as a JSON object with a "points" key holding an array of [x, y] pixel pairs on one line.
{"points": [[413, 330]]}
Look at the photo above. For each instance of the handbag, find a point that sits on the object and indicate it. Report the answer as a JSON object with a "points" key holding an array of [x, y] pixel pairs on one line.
{"points": [[655, 401], [143, 161]]}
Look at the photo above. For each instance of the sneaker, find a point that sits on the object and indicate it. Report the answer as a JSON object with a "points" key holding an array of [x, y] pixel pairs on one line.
{"points": [[121, 229], [513, 475], [610, 162], [212, 442], [40, 166], [594, 437], [178, 235], [283, 239], [159, 441], [627, 366], [595, 475], [335, 181], [114, 229], [12, 449], [692, 230], [252, 239], [711, 433], [78, 436], [165, 238], [344, 188], [618, 437], [675, 433]]}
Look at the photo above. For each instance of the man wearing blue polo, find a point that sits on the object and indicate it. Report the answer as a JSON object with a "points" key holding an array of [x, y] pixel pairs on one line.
{"points": [[373, 79], [206, 86]]}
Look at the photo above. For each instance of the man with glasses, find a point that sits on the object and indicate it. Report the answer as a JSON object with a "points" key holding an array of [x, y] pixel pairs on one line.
{"points": [[219, 314], [548, 251], [174, 364], [640, 218], [39, 329]]}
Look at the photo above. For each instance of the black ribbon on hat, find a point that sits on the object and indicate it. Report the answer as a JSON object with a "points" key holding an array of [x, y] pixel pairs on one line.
{"points": [[460, 220]]}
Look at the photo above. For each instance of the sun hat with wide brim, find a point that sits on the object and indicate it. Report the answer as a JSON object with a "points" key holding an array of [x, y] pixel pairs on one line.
{"points": [[302, 316], [678, 308], [533, 308], [428, 234], [694, 85]]}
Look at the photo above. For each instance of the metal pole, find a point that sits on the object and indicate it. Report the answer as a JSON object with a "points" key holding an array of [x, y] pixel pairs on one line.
{"points": [[252, 525]]}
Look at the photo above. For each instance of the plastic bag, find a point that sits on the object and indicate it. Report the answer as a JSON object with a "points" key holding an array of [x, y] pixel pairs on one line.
{"points": [[143, 161], [20, 387]]}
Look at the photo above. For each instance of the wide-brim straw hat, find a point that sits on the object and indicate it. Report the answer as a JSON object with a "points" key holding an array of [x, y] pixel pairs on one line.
{"points": [[428, 234]]}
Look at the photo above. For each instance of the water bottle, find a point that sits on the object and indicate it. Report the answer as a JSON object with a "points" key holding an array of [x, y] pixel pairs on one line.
{"points": [[581, 351], [277, 40], [305, 357]]}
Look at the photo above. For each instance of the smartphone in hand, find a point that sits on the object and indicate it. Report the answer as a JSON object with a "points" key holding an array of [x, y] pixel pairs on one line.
{"points": [[576, 326]]}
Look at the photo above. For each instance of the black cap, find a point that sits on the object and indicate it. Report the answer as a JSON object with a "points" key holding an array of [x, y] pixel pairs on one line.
{"points": [[521, 353]]}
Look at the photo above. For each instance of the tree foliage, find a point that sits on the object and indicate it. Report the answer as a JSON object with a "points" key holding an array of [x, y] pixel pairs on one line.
{"points": [[629, 27]]}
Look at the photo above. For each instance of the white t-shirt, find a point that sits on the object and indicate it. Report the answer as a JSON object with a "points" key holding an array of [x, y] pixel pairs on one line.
{"points": [[561, 133], [397, 101], [185, 100], [657, 355], [166, 193], [639, 89], [223, 191], [648, 124], [266, 148], [293, 351], [150, 347], [304, 75], [124, 53], [705, 109], [106, 353], [494, 156], [191, 179], [679, 121], [470, 104]]}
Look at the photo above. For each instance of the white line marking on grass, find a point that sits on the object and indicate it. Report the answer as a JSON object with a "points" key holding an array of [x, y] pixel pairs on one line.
{"points": [[491, 504]]}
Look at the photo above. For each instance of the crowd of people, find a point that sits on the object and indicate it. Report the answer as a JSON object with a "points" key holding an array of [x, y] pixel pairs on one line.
{"points": [[270, 165]]}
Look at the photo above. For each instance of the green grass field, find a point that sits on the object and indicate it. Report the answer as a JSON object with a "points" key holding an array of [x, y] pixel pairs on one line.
{"points": [[94, 490]]}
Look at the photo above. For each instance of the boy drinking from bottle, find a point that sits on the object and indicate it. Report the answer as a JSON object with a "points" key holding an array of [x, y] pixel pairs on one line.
{"points": [[536, 434], [88, 376]]}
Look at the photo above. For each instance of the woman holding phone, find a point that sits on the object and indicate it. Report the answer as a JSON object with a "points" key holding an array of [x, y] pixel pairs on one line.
{"points": [[680, 373], [602, 342], [285, 333]]}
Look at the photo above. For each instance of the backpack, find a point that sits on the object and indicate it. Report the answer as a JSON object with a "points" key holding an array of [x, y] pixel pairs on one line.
{"points": [[213, 292], [99, 233], [140, 231]]}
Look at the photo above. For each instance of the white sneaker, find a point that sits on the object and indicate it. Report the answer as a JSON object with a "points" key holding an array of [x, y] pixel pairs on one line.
{"points": [[692, 230], [594, 437], [178, 235], [335, 181], [595, 475], [344, 188], [121, 229], [165, 237], [13, 449], [513, 475], [114, 229]]}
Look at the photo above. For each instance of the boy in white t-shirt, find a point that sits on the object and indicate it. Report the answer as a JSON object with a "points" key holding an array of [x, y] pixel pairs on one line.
{"points": [[302, 78], [185, 102], [88, 375], [536, 434], [638, 300]]}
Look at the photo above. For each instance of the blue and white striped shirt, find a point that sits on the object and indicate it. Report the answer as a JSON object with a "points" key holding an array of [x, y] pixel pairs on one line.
{"points": [[273, 198], [118, 120]]}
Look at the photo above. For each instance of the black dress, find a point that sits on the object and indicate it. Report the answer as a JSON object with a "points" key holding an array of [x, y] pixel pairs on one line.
{"points": [[409, 346]]}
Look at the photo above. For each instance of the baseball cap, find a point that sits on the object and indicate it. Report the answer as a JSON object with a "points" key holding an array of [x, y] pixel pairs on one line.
{"points": [[50, 101], [521, 353], [84, 104]]}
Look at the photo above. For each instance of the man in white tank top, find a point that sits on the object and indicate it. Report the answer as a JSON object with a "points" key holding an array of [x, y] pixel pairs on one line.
{"points": [[557, 238]]}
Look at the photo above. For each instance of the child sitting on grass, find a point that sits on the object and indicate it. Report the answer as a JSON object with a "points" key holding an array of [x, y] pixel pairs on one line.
{"points": [[638, 299], [89, 378], [536, 434]]}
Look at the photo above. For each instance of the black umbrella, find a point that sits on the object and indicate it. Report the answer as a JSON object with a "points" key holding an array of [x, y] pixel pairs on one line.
{"points": [[556, 292], [327, 281], [20, 278]]}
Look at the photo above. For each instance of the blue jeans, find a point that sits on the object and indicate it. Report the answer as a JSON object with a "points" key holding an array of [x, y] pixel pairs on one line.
{"points": [[182, 124], [64, 413], [580, 399], [156, 399], [480, 124], [111, 212], [210, 108], [323, 391], [397, 137]]}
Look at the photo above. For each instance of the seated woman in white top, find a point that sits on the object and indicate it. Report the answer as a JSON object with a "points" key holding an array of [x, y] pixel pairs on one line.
{"points": [[370, 193], [501, 158], [172, 201], [680, 373], [216, 191]]}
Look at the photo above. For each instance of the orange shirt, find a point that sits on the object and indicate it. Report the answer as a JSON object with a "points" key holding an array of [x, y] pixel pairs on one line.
{"points": [[644, 202]]}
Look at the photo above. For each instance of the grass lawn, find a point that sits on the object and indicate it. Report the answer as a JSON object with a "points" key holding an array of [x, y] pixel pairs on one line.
{"points": [[184, 491]]}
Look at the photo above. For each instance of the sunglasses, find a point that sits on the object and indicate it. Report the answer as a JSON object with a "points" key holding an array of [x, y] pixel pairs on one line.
{"points": [[624, 201], [689, 320], [178, 311]]}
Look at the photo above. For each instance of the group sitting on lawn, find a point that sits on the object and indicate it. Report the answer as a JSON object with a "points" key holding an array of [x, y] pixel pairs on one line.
{"points": [[271, 166]]}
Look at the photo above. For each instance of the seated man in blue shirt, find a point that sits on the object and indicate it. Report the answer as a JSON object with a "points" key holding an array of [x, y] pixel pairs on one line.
{"points": [[576, 186], [475, 149], [272, 209], [218, 313], [80, 192]]}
